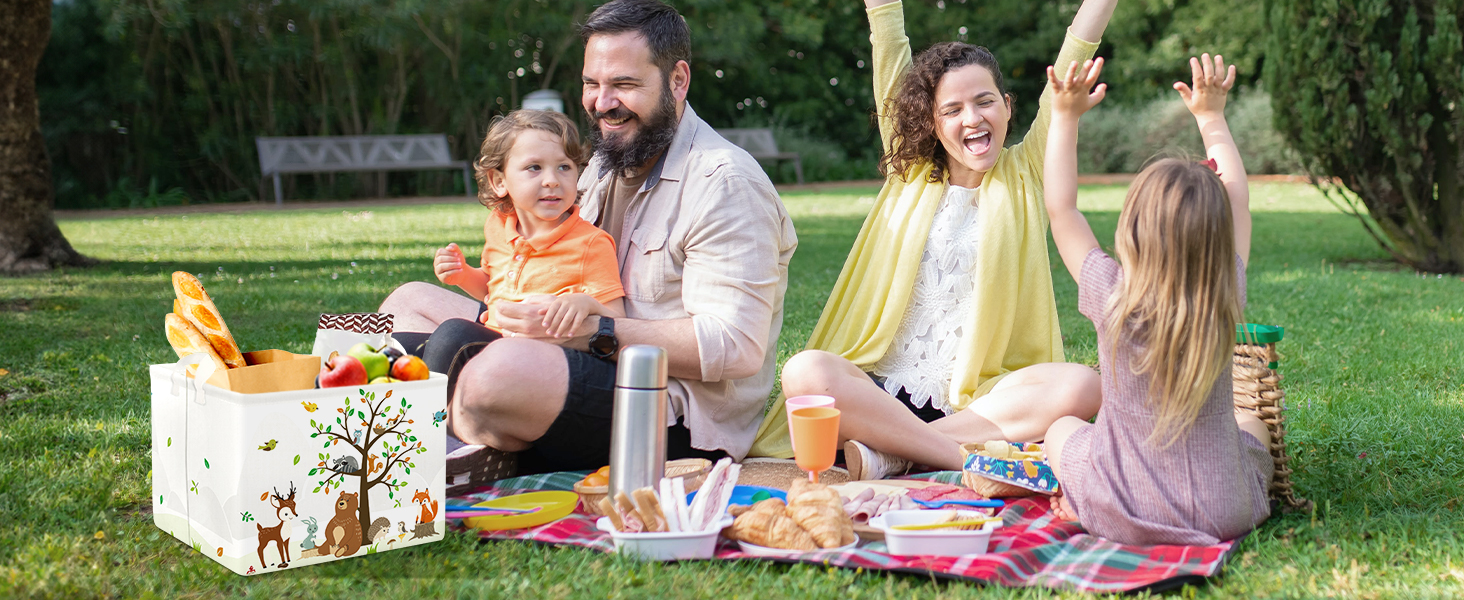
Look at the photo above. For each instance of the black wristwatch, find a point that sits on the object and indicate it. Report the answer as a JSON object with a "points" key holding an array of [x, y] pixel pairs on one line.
{"points": [[603, 343]]}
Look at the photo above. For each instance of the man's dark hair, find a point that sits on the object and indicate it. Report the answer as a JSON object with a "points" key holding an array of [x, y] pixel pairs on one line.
{"points": [[665, 31]]}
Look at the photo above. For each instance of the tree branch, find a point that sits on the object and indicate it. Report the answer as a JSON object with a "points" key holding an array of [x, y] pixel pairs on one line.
{"points": [[342, 438]]}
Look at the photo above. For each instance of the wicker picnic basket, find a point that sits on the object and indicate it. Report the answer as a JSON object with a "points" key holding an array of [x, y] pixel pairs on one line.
{"points": [[692, 471], [989, 488], [471, 467], [1258, 393]]}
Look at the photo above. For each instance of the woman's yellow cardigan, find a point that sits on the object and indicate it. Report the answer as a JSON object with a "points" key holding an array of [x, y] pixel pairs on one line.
{"points": [[1013, 323]]}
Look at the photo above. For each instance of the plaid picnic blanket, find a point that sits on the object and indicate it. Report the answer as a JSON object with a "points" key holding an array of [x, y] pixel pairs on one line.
{"points": [[1030, 549]]}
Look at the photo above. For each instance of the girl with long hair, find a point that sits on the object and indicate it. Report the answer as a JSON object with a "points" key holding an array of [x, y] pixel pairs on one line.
{"points": [[942, 327], [1168, 460]]}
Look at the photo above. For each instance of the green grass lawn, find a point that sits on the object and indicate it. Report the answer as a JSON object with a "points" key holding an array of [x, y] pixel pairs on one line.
{"points": [[1373, 363]]}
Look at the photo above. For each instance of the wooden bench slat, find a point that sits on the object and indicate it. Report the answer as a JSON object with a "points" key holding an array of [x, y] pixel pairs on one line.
{"points": [[760, 144], [341, 154]]}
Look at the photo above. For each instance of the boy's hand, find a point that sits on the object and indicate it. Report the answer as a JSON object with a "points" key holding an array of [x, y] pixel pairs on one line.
{"points": [[1205, 97], [563, 316], [1070, 95], [449, 265]]}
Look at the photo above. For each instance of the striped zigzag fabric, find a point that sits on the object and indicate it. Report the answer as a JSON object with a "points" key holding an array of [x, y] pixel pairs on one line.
{"points": [[357, 322]]}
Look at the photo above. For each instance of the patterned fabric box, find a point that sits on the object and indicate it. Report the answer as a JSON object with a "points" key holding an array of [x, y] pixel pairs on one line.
{"points": [[263, 482]]}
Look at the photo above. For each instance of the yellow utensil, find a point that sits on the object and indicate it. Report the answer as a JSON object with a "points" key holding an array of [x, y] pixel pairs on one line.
{"points": [[948, 525]]}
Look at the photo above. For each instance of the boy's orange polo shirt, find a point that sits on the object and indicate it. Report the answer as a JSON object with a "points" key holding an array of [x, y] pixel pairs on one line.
{"points": [[575, 257]]}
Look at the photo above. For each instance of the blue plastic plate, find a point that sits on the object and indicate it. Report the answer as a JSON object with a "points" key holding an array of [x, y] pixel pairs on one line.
{"points": [[742, 494]]}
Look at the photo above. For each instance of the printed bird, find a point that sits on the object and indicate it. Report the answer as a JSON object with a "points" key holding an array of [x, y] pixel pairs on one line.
{"points": [[378, 429], [356, 437], [309, 406], [270, 445], [439, 417]]}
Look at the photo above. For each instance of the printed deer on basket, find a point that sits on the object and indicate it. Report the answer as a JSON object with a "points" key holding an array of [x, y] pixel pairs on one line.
{"points": [[285, 511]]}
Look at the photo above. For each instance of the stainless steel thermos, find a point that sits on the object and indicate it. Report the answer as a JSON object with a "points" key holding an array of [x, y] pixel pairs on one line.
{"points": [[638, 428]]}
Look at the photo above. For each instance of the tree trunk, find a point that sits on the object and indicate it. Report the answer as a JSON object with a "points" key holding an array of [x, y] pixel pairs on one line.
{"points": [[363, 508], [30, 241]]}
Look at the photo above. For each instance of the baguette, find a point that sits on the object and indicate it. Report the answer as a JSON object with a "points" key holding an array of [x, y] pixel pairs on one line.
{"points": [[649, 508], [610, 512], [201, 312], [186, 340]]}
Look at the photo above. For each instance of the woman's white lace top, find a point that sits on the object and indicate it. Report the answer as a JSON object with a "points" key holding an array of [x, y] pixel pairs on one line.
{"points": [[923, 354]]}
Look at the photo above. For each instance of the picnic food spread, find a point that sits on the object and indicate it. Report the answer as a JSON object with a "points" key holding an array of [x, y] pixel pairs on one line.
{"points": [[196, 327], [648, 511], [813, 518]]}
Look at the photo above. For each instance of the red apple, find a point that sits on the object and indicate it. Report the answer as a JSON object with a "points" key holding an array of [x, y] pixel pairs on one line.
{"points": [[342, 371], [409, 368]]}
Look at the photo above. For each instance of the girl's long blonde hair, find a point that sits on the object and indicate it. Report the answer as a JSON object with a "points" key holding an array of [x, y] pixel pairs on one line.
{"points": [[1179, 300]]}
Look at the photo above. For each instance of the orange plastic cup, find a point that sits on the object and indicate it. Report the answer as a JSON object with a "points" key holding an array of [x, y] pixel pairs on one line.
{"points": [[817, 431], [806, 401]]}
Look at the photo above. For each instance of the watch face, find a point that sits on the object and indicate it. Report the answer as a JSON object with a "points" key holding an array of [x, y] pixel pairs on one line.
{"points": [[603, 344]]}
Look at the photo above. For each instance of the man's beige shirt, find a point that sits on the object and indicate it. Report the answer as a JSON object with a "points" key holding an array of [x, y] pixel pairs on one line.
{"points": [[707, 237]]}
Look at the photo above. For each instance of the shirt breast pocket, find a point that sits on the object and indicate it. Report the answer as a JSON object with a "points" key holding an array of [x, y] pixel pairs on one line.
{"points": [[645, 266]]}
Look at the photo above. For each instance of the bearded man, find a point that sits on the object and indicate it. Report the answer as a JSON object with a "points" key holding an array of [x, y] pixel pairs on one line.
{"points": [[703, 243]]}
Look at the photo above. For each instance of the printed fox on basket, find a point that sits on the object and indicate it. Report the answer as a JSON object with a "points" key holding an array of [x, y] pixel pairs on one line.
{"points": [[351, 461]]}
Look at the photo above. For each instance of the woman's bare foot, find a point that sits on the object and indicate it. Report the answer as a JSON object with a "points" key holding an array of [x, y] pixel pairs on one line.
{"points": [[1061, 509]]}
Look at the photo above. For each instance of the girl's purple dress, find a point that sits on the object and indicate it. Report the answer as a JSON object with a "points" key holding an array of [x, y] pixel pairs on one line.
{"points": [[1208, 486]]}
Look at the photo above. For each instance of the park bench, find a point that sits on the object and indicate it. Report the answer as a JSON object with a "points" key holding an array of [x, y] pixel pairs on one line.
{"points": [[380, 153], [759, 143]]}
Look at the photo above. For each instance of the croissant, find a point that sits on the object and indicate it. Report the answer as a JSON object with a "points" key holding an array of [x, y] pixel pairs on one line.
{"points": [[820, 511], [767, 524]]}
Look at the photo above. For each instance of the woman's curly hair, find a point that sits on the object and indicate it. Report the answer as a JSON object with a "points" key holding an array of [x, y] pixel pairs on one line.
{"points": [[913, 107], [502, 132]]}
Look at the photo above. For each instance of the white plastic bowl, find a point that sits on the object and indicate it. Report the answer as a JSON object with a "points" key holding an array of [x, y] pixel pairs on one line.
{"points": [[932, 542], [665, 545]]}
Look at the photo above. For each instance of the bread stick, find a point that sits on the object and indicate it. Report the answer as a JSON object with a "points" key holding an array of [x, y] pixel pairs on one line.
{"points": [[204, 315], [609, 509], [186, 340], [649, 508]]}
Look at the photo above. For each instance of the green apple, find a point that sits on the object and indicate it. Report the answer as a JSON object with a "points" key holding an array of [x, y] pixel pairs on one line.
{"points": [[375, 362]]}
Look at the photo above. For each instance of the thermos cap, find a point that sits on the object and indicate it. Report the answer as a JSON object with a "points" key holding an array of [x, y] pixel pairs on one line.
{"points": [[641, 367]]}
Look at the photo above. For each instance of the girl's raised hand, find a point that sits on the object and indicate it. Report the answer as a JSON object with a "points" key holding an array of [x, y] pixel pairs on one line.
{"points": [[449, 265], [1070, 94], [1205, 97]]}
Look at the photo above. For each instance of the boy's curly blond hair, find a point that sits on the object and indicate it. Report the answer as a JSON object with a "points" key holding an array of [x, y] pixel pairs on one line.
{"points": [[502, 132]]}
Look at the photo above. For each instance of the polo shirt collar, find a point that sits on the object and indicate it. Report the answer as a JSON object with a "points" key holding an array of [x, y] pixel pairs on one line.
{"points": [[510, 224], [672, 163]]}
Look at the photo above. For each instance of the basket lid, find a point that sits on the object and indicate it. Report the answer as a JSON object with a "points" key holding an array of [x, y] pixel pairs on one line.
{"points": [[1251, 333]]}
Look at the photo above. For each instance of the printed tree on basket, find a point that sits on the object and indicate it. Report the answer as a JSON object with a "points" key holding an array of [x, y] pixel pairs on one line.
{"points": [[360, 426]]}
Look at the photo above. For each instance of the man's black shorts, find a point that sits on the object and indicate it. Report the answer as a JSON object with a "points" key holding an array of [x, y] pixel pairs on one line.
{"points": [[579, 438]]}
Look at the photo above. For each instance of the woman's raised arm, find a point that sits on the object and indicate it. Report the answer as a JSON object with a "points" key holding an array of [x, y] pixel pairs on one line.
{"points": [[1080, 44], [1091, 20], [891, 59]]}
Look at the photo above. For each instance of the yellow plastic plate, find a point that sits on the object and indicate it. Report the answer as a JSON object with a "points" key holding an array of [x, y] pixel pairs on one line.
{"points": [[553, 506]]}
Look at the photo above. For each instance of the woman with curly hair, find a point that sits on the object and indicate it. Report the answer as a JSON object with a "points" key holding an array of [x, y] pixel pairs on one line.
{"points": [[942, 327]]}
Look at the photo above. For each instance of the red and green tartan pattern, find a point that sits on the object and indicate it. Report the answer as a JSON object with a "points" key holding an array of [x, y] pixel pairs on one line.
{"points": [[1030, 549]]}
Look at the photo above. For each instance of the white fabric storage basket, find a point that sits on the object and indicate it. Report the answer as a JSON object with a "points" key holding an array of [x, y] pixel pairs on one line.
{"points": [[365, 464]]}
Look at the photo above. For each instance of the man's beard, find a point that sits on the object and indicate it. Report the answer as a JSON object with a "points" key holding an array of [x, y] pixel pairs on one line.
{"points": [[655, 135]]}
